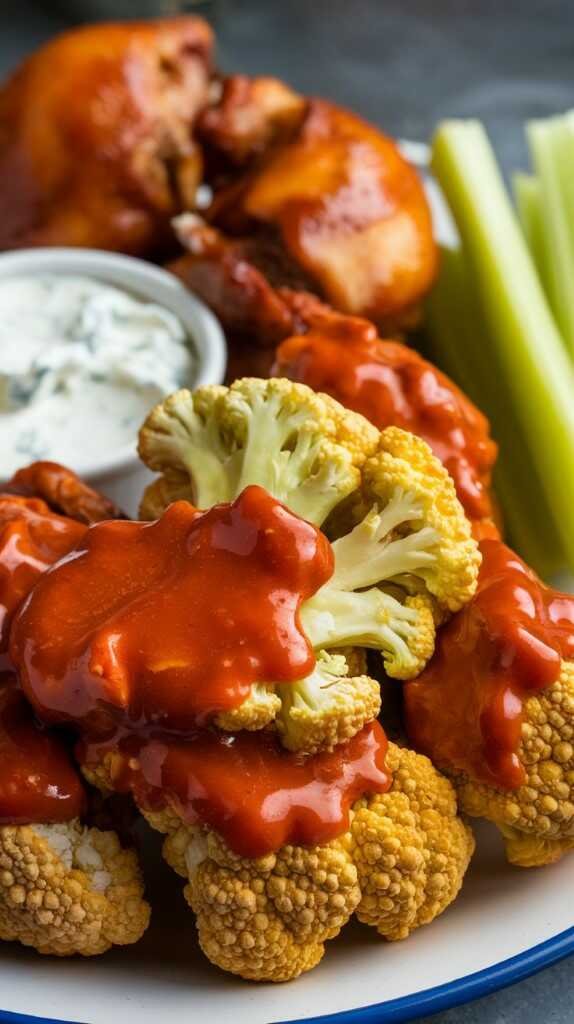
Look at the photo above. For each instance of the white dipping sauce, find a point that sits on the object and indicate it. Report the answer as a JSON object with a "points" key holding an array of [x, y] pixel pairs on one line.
{"points": [[81, 363]]}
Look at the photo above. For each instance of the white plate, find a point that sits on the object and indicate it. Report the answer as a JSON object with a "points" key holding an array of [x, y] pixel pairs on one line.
{"points": [[506, 924]]}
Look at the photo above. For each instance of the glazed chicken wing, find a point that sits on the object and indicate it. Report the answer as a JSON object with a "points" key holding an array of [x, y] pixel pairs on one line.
{"points": [[64, 492], [96, 146], [392, 385], [326, 200]]}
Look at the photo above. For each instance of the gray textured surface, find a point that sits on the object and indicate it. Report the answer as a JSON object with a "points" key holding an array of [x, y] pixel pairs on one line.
{"points": [[403, 63]]}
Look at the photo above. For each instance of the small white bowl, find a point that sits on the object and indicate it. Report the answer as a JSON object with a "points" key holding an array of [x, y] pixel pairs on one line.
{"points": [[120, 474]]}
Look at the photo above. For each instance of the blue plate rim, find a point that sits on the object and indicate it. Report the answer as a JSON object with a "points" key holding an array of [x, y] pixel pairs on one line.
{"points": [[454, 993], [428, 1001]]}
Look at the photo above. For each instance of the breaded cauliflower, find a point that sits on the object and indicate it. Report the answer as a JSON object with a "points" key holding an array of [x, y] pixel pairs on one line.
{"points": [[410, 848], [495, 707], [410, 560], [266, 919], [326, 708], [411, 555], [430, 537], [536, 820], [304, 448], [67, 889], [400, 865]]}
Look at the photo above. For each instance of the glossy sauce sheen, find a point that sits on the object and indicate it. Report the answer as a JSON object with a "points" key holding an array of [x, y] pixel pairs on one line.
{"points": [[465, 710], [32, 538], [391, 385], [248, 789], [167, 623], [38, 780]]}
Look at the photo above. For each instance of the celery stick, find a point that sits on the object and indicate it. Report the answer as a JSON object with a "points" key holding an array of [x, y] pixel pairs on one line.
{"points": [[557, 238], [536, 378], [565, 165], [458, 340], [526, 190]]}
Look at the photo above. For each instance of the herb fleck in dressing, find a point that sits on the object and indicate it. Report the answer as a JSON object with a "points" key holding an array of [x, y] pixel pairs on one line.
{"points": [[81, 362]]}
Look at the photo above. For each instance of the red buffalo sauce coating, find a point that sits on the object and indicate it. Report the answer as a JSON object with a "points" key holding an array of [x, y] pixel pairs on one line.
{"points": [[31, 539], [38, 780], [255, 794], [166, 623], [391, 385], [465, 710]]}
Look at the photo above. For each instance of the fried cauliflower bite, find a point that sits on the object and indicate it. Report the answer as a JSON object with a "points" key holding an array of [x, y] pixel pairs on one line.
{"points": [[266, 919], [304, 448], [537, 819], [328, 707], [96, 145], [494, 708], [412, 553], [68, 889], [400, 865], [410, 848], [416, 489], [64, 888]]}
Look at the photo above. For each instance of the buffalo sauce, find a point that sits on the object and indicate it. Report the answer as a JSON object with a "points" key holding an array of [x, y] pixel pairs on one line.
{"points": [[150, 628], [167, 623], [391, 385], [38, 780], [31, 539], [246, 787], [465, 710]]}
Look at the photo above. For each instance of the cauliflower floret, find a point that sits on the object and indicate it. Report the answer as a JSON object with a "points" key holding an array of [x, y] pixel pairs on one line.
{"points": [[265, 919], [304, 448], [537, 819], [422, 533], [403, 632], [410, 848], [410, 559], [259, 709], [326, 708], [67, 889], [400, 864], [183, 438]]}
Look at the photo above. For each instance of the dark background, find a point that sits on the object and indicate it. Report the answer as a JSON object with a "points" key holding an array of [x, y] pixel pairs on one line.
{"points": [[404, 64]]}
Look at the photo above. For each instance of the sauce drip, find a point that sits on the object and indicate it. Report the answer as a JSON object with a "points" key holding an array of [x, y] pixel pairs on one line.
{"points": [[31, 539], [391, 385], [465, 710], [38, 780], [255, 794], [167, 623]]}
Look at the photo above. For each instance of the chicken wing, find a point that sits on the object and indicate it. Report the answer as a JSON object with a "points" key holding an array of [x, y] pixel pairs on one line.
{"points": [[325, 200], [96, 147]]}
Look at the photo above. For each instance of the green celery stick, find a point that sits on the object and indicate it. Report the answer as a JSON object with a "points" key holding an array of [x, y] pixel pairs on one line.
{"points": [[526, 188], [545, 140], [536, 378], [458, 340], [565, 149]]}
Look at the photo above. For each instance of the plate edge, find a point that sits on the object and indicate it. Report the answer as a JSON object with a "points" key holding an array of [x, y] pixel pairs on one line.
{"points": [[454, 993]]}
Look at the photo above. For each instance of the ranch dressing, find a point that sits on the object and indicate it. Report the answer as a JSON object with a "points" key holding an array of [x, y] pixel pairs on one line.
{"points": [[81, 363]]}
